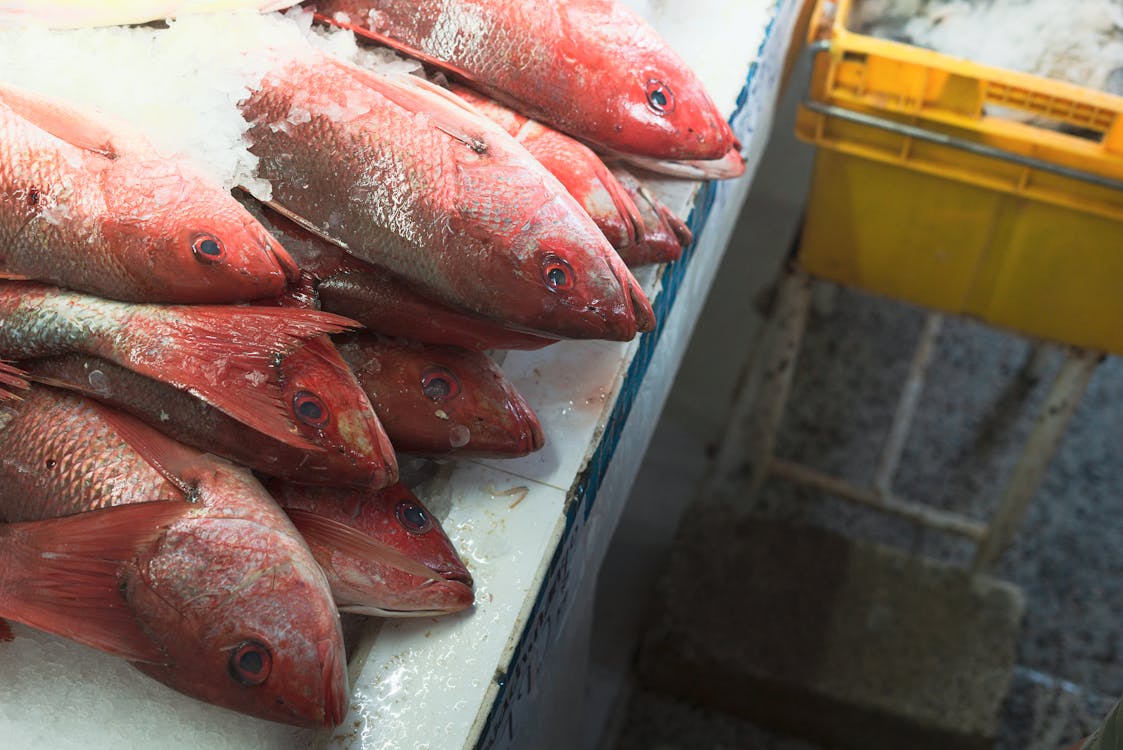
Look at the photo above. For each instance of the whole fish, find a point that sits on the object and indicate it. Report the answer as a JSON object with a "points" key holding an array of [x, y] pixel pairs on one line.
{"points": [[229, 605], [331, 409], [438, 400], [229, 357], [407, 568], [665, 234], [70, 14], [574, 164], [590, 68], [91, 206], [347, 286], [405, 175]]}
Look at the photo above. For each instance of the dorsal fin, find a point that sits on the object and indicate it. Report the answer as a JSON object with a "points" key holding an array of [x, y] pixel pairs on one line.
{"points": [[374, 36], [64, 122], [445, 109]]}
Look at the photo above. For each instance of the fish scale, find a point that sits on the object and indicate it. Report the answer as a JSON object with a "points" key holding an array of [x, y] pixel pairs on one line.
{"points": [[45, 472]]}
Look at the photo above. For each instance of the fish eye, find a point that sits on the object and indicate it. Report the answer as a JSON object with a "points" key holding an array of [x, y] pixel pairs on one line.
{"points": [[439, 384], [557, 273], [414, 517], [208, 248], [250, 663], [310, 409], [660, 98]]}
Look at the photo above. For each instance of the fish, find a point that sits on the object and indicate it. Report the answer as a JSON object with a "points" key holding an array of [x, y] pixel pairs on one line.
{"points": [[229, 605], [332, 412], [341, 283], [582, 172], [442, 400], [71, 14], [590, 68], [88, 204], [407, 567], [401, 173], [665, 234], [230, 357]]}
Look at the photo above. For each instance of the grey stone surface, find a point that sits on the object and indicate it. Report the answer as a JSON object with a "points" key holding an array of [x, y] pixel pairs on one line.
{"points": [[850, 643]]}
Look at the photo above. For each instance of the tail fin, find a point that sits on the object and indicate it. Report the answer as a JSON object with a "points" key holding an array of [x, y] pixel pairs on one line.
{"points": [[229, 357], [63, 575], [11, 379]]}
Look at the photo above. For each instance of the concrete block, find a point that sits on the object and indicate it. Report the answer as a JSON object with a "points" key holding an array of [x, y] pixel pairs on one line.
{"points": [[847, 643]]}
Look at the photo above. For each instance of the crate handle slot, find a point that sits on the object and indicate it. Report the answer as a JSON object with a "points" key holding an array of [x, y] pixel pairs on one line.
{"points": [[912, 131]]}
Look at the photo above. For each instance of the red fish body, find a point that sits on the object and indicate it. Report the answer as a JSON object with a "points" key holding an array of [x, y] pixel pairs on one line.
{"points": [[438, 400], [590, 68], [404, 175], [420, 574], [229, 605], [227, 356], [90, 207], [331, 410], [347, 286], [575, 165]]}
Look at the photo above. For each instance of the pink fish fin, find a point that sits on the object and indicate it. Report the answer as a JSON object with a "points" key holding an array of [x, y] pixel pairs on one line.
{"points": [[449, 113], [11, 379], [64, 574], [320, 530], [6, 635], [305, 223], [62, 121], [13, 276], [172, 459], [374, 36], [229, 357]]}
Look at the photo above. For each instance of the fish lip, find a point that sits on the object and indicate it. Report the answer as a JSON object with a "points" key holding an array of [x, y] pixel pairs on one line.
{"points": [[456, 574], [289, 267]]}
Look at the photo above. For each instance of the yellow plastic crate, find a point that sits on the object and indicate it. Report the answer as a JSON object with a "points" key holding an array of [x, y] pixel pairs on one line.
{"points": [[927, 189]]}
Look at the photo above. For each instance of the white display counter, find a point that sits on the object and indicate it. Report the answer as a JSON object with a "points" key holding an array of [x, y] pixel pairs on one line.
{"points": [[533, 531]]}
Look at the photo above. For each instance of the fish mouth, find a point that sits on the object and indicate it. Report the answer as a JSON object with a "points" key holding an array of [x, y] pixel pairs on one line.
{"points": [[435, 597], [456, 574], [289, 267], [334, 681], [527, 425], [641, 306]]}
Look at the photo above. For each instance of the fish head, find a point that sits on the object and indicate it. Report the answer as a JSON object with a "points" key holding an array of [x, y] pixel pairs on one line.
{"points": [[655, 104], [421, 575], [243, 614], [192, 242], [330, 409], [443, 399], [561, 277]]}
